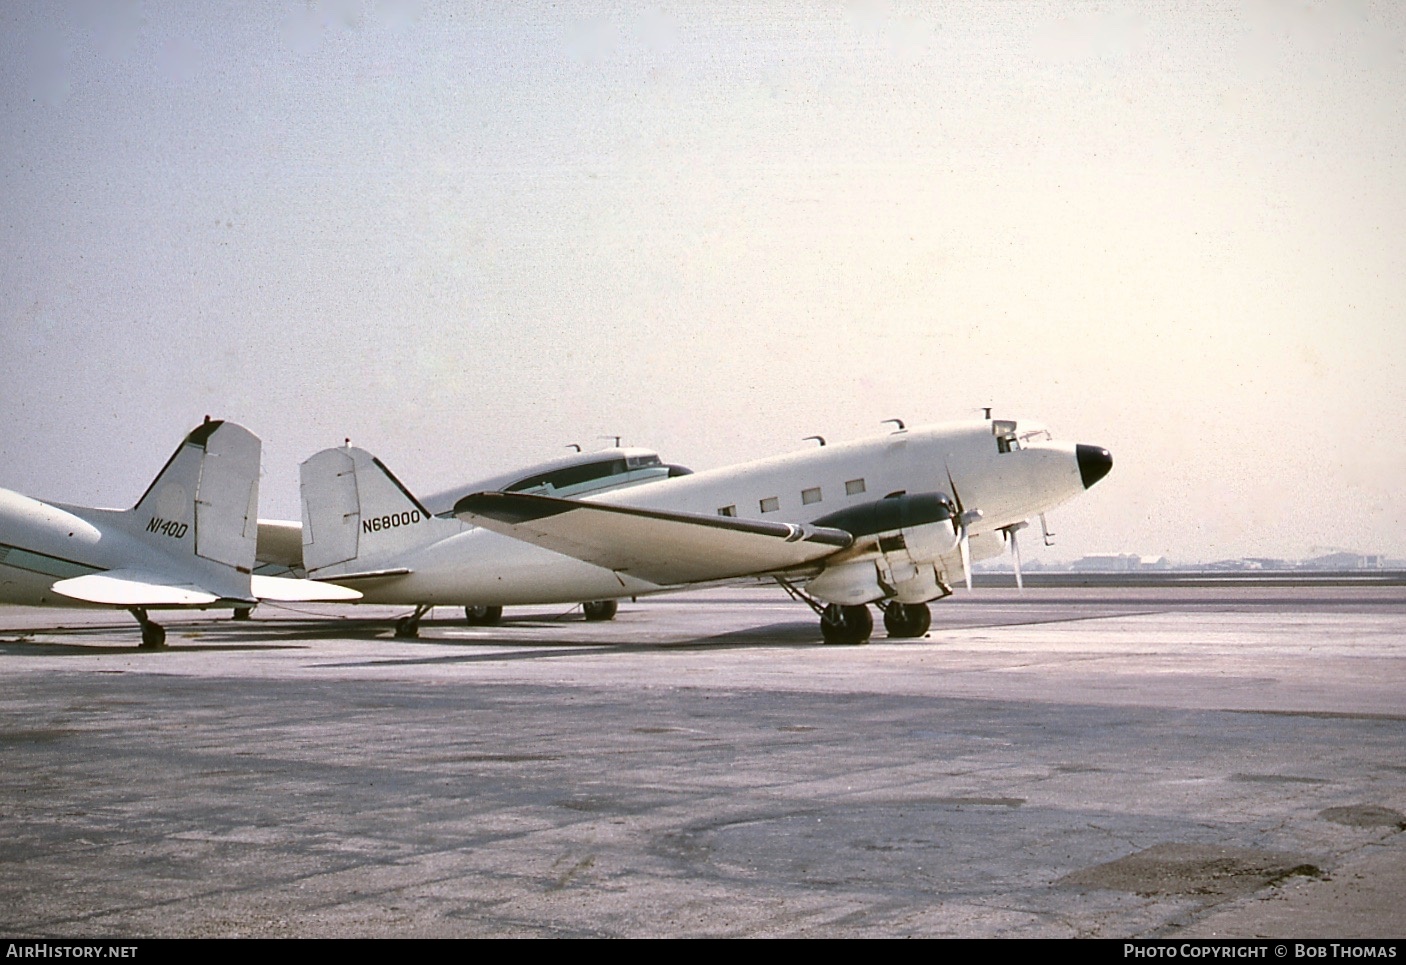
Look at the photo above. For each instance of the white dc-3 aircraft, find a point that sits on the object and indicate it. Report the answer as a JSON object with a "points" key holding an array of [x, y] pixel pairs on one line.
{"points": [[189, 542], [892, 521]]}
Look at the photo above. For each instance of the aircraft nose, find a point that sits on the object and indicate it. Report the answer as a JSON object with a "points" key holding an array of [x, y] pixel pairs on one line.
{"points": [[1094, 463]]}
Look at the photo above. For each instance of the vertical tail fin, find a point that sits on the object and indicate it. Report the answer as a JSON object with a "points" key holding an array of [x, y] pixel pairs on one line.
{"points": [[202, 508], [357, 516]]}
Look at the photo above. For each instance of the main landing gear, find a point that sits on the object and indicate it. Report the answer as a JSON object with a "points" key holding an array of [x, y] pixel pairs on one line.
{"points": [[487, 616], [851, 625], [474, 616], [153, 635], [597, 610], [482, 616]]}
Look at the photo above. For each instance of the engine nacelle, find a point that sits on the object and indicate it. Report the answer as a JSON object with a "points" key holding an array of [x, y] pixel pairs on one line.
{"points": [[910, 534], [921, 587], [848, 584]]}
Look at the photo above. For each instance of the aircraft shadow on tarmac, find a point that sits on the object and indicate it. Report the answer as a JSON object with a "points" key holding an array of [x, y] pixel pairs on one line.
{"points": [[46, 648], [294, 633], [790, 635], [796, 634], [105, 639]]}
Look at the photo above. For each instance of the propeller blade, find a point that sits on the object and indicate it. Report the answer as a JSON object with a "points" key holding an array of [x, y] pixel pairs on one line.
{"points": [[965, 544], [964, 519], [1015, 558]]}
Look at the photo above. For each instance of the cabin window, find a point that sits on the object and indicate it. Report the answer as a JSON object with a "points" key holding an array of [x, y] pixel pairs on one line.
{"points": [[727, 511], [771, 504], [854, 487], [809, 496]]}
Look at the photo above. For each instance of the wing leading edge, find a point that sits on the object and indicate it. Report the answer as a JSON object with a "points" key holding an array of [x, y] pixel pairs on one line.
{"points": [[664, 548]]}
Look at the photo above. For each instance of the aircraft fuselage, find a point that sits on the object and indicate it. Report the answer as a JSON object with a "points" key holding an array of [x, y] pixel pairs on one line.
{"points": [[42, 543], [978, 465]]}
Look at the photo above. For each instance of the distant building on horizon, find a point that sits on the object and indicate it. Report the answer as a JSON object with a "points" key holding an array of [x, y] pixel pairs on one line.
{"points": [[1119, 563], [1345, 561]]}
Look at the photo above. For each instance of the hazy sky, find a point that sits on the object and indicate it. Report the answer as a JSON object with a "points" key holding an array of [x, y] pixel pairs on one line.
{"points": [[466, 235]]}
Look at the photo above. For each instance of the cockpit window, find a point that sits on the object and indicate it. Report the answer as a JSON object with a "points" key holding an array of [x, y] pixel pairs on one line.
{"points": [[1004, 431]]}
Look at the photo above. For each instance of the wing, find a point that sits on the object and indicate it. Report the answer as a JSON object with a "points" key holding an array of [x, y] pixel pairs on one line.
{"points": [[130, 588], [667, 549]]}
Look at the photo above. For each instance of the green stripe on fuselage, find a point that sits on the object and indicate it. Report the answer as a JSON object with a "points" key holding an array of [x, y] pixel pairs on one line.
{"points": [[23, 559]]}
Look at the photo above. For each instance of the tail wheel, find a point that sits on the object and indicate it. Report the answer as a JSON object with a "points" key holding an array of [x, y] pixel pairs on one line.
{"points": [[153, 636], [600, 610], [846, 624], [906, 620], [482, 616]]}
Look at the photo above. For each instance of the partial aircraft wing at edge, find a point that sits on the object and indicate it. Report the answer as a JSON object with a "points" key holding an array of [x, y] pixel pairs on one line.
{"points": [[664, 548]]}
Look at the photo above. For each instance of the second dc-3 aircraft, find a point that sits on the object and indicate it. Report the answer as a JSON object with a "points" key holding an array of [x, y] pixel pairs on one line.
{"points": [[892, 521], [188, 543]]}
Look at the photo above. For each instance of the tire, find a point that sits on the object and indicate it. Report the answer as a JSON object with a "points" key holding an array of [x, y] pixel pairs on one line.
{"points": [[904, 621], [598, 610], [846, 625], [482, 616]]}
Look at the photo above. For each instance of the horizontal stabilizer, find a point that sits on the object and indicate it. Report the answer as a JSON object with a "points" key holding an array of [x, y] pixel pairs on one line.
{"points": [[663, 548], [128, 589], [279, 589]]}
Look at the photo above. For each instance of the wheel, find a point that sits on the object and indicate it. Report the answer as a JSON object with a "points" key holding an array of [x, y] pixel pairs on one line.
{"points": [[243, 613], [846, 624], [905, 620], [407, 627], [482, 616], [153, 636], [601, 610]]}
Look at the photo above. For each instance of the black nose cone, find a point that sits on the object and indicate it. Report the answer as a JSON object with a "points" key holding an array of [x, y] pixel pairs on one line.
{"points": [[1094, 463]]}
